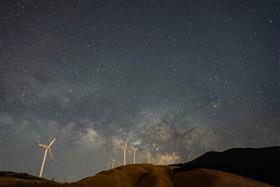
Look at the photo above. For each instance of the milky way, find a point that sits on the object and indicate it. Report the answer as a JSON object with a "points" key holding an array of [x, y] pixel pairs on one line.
{"points": [[174, 78]]}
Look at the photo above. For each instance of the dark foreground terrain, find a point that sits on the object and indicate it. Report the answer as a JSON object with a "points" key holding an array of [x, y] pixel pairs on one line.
{"points": [[234, 167], [142, 175], [261, 164]]}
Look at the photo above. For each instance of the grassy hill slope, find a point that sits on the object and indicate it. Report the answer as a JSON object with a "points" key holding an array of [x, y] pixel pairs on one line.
{"points": [[142, 175]]}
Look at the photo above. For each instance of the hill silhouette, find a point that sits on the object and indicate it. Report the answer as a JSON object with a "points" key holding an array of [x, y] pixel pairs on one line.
{"points": [[8, 179], [262, 164], [142, 175], [25, 176]]}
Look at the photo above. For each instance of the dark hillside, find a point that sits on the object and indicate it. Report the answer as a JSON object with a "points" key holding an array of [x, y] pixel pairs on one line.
{"points": [[262, 164]]}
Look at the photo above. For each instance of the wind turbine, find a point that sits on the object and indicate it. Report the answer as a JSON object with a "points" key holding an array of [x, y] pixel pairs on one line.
{"points": [[134, 153], [148, 156], [124, 152], [47, 149], [113, 163]]}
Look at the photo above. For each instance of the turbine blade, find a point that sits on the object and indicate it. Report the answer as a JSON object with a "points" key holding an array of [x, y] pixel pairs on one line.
{"points": [[50, 153], [42, 145], [51, 142], [134, 148]]}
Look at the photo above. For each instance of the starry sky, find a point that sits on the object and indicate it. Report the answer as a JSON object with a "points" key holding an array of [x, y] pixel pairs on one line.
{"points": [[174, 78]]}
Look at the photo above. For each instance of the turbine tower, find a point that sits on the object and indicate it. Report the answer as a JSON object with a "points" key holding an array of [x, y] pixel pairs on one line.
{"points": [[124, 152], [148, 156], [134, 153], [47, 149], [113, 163]]}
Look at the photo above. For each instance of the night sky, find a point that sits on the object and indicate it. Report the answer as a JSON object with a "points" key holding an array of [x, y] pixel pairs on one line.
{"points": [[174, 78]]}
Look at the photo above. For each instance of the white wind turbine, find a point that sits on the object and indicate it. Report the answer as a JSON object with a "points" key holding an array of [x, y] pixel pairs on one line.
{"points": [[148, 156], [113, 163], [124, 152], [134, 153], [47, 149]]}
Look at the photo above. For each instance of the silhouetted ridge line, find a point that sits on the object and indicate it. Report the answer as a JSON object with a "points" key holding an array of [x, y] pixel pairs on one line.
{"points": [[19, 175], [262, 164]]}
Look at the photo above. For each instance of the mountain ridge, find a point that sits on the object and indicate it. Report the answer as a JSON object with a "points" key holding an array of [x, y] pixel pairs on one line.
{"points": [[261, 164]]}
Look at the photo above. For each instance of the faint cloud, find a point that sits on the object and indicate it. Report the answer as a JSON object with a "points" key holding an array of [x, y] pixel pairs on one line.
{"points": [[91, 138]]}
